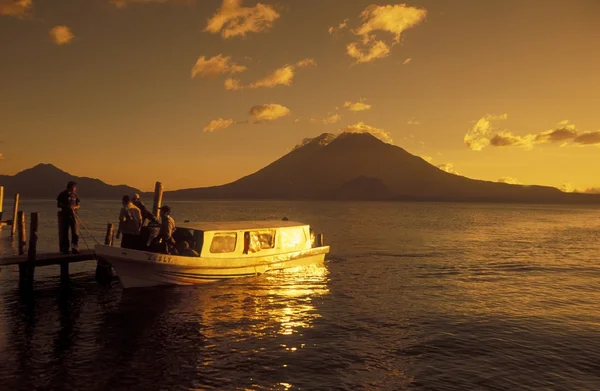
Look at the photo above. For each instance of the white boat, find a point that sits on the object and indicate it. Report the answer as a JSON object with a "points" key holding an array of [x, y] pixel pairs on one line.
{"points": [[226, 250]]}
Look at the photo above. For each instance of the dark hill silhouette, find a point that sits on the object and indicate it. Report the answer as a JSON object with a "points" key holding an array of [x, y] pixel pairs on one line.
{"points": [[346, 167], [45, 181], [360, 166]]}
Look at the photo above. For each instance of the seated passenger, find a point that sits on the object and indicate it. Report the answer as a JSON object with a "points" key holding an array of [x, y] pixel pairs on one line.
{"points": [[251, 243], [186, 251]]}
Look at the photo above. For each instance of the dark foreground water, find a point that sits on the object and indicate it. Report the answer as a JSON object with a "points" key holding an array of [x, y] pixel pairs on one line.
{"points": [[414, 296]]}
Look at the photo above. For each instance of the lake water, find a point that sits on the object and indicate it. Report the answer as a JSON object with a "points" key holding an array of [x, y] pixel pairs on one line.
{"points": [[414, 296]]}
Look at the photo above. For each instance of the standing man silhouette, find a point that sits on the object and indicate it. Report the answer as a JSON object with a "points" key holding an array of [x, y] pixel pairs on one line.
{"points": [[68, 202]]}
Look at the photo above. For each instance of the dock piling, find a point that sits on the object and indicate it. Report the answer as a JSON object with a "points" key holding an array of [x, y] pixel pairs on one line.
{"points": [[320, 240], [13, 228], [27, 269], [22, 232], [158, 195], [1, 200], [103, 268]]}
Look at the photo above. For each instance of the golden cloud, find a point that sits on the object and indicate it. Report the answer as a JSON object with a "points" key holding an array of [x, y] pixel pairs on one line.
{"points": [[332, 119], [341, 26], [357, 106], [509, 180], [567, 134], [448, 167], [393, 19], [268, 112], [16, 8], [125, 3], [588, 138], [215, 66], [282, 76], [61, 35], [361, 127], [407, 61], [413, 122], [218, 124], [477, 137], [375, 50], [232, 19]]}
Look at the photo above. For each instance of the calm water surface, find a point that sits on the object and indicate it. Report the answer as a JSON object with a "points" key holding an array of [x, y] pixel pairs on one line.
{"points": [[413, 297]]}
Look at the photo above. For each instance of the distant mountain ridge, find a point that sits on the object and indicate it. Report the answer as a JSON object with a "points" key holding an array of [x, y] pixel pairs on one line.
{"points": [[45, 181], [359, 166], [348, 166]]}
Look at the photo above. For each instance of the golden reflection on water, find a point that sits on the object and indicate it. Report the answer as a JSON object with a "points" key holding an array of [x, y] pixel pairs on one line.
{"points": [[275, 303]]}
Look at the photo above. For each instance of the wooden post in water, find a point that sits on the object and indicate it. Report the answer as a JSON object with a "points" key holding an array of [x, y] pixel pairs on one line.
{"points": [[158, 195], [13, 228], [22, 232], [103, 268], [27, 269], [320, 241], [1, 200]]}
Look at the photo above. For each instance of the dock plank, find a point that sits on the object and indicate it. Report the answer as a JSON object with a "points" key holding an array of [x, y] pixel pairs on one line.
{"points": [[46, 259]]}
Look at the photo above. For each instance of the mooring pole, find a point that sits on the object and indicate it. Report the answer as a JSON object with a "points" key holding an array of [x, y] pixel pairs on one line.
{"points": [[103, 268], [13, 228], [158, 195], [1, 200], [27, 268], [22, 232]]}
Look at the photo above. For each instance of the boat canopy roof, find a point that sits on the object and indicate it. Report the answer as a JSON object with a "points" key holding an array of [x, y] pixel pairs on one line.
{"points": [[240, 225]]}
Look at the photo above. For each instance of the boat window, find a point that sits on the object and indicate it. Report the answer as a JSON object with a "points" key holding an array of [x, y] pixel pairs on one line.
{"points": [[292, 237], [265, 238], [223, 242]]}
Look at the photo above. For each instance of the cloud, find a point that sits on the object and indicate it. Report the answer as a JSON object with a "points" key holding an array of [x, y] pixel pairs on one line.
{"points": [[268, 112], [407, 61], [505, 138], [567, 188], [448, 167], [592, 190], [357, 106], [306, 63], [232, 84], [477, 137], [588, 138], [391, 19], [413, 122], [375, 50], [428, 159], [16, 8], [330, 119], [61, 35], [218, 124], [232, 19], [280, 76], [125, 3], [341, 26], [561, 134], [509, 180], [361, 127], [215, 66], [567, 134]]}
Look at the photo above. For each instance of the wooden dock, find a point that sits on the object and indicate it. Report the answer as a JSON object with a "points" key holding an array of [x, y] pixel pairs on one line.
{"points": [[28, 259], [48, 259]]}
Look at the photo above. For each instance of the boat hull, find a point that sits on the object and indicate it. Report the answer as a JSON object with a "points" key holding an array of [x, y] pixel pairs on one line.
{"points": [[137, 269]]}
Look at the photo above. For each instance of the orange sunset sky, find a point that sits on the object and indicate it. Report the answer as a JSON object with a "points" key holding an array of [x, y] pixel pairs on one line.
{"points": [[198, 93]]}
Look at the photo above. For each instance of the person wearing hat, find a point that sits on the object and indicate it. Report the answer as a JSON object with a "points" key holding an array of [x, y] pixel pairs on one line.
{"points": [[68, 202]]}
